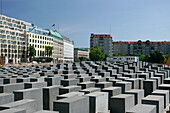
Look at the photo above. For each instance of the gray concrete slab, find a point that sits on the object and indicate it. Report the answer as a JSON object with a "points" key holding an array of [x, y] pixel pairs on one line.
{"points": [[98, 102], [49, 94], [142, 108], [77, 104], [138, 93], [33, 93], [29, 105], [164, 93], [90, 90], [6, 98], [69, 89], [155, 100], [121, 103], [149, 86]]}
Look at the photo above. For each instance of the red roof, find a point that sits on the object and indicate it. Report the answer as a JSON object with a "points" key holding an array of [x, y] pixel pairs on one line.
{"points": [[141, 42], [101, 35]]}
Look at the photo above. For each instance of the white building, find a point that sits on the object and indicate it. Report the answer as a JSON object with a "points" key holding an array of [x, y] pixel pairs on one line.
{"points": [[123, 59], [68, 50]]}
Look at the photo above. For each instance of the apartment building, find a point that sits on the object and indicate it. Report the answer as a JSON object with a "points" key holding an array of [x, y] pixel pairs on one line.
{"points": [[141, 47], [104, 41], [12, 39], [68, 49], [58, 47], [39, 38], [81, 52]]}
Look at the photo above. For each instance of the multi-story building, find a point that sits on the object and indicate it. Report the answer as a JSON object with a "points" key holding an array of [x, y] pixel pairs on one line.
{"points": [[39, 38], [58, 47], [104, 41], [17, 35], [139, 47], [12, 39], [68, 50], [81, 52]]}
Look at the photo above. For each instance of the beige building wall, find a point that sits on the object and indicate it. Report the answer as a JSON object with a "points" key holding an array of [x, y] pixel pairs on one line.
{"points": [[58, 50], [12, 39], [81, 53]]}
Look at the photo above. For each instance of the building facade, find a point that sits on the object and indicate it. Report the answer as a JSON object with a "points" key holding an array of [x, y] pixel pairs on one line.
{"points": [[16, 36], [12, 39], [81, 52], [68, 50], [104, 41], [39, 38], [140, 47], [58, 47]]}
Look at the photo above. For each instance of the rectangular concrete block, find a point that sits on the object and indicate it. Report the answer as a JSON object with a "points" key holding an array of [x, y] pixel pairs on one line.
{"points": [[56, 80], [155, 100], [45, 111], [69, 89], [33, 93], [113, 91], [103, 85], [13, 110], [98, 79], [6, 98], [9, 88], [138, 94], [85, 85], [69, 82], [164, 93], [20, 80], [135, 82], [142, 108], [77, 104], [121, 103], [90, 90], [149, 86], [71, 94], [27, 104], [125, 86], [84, 79], [35, 85], [98, 102], [49, 95]]}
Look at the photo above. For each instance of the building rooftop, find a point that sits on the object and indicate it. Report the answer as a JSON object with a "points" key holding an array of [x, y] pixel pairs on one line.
{"points": [[83, 49], [144, 42], [65, 38], [56, 35], [100, 35]]}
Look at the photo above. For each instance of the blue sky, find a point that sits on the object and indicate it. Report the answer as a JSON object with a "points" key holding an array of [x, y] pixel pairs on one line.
{"points": [[77, 19]]}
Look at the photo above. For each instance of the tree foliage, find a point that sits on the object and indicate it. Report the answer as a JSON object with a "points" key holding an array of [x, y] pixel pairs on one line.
{"points": [[96, 54], [31, 52], [48, 51], [157, 57], [81, 59], [105, 56]]}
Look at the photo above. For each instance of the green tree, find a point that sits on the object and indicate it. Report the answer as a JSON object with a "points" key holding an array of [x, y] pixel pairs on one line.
{"points": [[105, 56], [166, 58], [48, 51], [77, 60], [157, 57], [96, 54], [147, 57], [31, 52]]}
